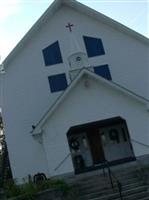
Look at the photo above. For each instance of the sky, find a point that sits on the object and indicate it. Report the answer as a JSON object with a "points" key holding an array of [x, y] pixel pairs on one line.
{"points": [[18, 16]]}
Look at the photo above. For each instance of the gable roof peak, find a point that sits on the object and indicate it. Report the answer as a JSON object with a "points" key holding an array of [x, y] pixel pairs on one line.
{"points": [[80, 8], [65, 1], [85, 73]]}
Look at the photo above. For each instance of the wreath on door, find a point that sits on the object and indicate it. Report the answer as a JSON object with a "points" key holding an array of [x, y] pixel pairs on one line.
{"points": [[114, 135], [74, 144]]}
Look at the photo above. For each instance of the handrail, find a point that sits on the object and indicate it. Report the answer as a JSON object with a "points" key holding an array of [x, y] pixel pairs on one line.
{"points": [[61, 163], [111, 174], [141, 143], [140, 163]]}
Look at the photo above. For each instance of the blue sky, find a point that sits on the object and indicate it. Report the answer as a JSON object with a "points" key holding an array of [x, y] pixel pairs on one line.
{"points": [[17, 17]]}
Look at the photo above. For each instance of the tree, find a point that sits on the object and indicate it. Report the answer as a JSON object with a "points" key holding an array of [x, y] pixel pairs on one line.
{"points": [[5, 170]]}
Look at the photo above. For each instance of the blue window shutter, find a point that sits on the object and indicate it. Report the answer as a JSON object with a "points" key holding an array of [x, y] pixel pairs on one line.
{"points": [[52, 54], [94, 46], [58, 82], [103, 71]]}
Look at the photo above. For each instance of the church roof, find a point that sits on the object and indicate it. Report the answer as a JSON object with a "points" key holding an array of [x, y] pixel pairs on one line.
{"points": [[85, 73], [79, 8]]}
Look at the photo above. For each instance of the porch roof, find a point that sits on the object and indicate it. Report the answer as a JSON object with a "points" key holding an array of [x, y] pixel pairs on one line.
{"points": [[99, 123], [88, 74]]}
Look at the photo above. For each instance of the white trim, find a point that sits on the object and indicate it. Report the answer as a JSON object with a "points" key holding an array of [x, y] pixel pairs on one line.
{"points": [[82, 9], [85, 72]]}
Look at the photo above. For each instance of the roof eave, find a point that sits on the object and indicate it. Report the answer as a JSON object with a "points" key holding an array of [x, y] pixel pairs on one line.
{"points": [[105, 19], [81, 8], [98, 78], [44, 17]]}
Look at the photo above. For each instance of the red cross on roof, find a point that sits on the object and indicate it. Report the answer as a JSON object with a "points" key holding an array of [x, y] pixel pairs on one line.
{"points": [[69, 25]]}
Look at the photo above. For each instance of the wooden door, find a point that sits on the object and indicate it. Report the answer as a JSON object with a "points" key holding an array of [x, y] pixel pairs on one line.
{"points": [[95, 146]]}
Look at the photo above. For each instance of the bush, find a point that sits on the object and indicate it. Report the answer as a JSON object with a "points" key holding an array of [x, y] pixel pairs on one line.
{"points": [[12, 189], [29, 190], [62, 186]]}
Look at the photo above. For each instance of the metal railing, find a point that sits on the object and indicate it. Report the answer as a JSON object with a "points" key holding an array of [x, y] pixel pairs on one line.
{"points": [[106, 164], [142, 166], [140, 143], [62, 162], [111, 177]]}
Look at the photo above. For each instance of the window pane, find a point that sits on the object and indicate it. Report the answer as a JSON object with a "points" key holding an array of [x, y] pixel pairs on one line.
{"points": [[94, 46], [52, 54], [57, 82], [103, 71]]}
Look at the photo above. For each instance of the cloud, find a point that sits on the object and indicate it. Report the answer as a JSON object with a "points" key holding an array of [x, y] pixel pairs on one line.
{"points": [[8, 8]]}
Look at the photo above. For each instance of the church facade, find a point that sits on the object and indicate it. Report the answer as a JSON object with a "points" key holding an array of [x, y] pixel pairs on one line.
{"points": [[75, 93]]}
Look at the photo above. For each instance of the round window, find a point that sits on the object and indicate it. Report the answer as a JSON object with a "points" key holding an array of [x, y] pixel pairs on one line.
{"points": [[78, 58]]}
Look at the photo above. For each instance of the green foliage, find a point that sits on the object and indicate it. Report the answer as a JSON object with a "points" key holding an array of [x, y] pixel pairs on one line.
{"points": [[0, 169], [29, 190], [12, 189], [61, 186], [143, 172]]}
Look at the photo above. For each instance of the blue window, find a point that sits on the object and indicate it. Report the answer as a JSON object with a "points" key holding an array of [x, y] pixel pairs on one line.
{"points": [[103, 71], [57, 82], [52, 54], [94, 46]]}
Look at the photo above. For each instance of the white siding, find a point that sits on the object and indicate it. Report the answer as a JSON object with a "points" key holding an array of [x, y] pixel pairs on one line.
{"points": [[84, 105], [26, 93]]}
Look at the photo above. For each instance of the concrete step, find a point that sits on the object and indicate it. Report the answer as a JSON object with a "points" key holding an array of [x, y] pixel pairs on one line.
{"points": [[95, 186], [101, 180], [120, 174], [107, 190], [138, 192], [135, 196], [121, 171], [88, 178], [105, 184], [146, 198]]}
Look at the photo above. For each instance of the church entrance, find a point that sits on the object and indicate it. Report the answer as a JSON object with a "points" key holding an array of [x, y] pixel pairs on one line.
{"points": [[93, 143]]}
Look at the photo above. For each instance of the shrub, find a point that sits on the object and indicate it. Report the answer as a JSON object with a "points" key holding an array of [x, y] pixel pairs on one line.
{"points": [[29, 190]]}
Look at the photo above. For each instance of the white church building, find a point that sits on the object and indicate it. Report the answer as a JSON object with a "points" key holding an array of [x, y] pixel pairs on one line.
{"points": [[75, 93]]}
